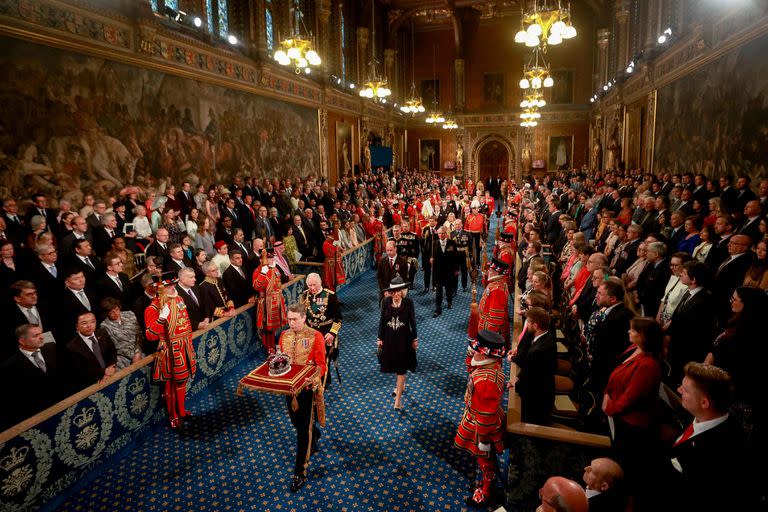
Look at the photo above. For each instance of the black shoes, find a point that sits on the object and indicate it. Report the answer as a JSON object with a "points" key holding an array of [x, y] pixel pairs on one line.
{"points": [[298, 482], [436, 314], [450, 306]]}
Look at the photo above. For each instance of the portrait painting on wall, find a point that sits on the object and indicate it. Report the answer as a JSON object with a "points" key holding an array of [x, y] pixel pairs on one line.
{"points": [[343, 148], [429, 154], [714, 121], [430, 92], [560, 152], [493, 88], [633, 144], [562, 90], [74, 125]]}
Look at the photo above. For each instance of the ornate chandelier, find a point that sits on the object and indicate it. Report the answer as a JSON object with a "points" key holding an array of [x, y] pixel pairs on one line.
{"points": [[450, 123], [297, 49], [375, 86], [546, 23], [536, 73], [413, 104], [529, 117], [435, 116], [533, 98]]}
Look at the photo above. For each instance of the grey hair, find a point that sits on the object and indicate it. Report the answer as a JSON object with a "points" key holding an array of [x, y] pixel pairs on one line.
{"points": [[658, 247], [208, 265], [36, 221], [314, 276], [43, 248], [186, 270]]}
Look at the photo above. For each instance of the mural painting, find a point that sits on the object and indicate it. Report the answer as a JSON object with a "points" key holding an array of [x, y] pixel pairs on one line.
{"points": [[344, 148], [430, 92], [493, 89], [562, 90], [633, 121], [72, 125], [560, 152], [429, 154], [715, 120]]}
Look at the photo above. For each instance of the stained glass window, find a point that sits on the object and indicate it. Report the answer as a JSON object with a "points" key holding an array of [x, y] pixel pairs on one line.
{"points": [[155, 7], [270, 31], [343, 45], [223, 18], [209, 14]]}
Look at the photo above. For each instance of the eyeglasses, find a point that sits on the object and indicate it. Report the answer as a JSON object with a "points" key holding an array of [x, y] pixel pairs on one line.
{"points": [[544, 501]]}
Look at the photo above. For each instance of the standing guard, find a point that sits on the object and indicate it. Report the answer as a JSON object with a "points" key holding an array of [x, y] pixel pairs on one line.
{"points": [[475, 226], [462, 239], [324, 315], [494, 304], [167, 322], [481, 431], [428, 241], [270, 304], [333, 268]]}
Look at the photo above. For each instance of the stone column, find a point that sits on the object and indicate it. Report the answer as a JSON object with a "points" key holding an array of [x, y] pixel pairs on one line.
{"points": [[459, 83], [258, 31], [622, 40], [323, 35], [362, 54], [323, 125], [652, 30], [389, 70], [603, 37]]}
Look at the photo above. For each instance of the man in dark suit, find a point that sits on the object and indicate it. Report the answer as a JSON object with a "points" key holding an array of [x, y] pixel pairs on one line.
{"points": [[159, 248], [176, 259], [609, 337], [26, 309], [604, 480], [626, 254], [677, 233], [389, 267], [724, 225], [263, 227], [190, 294], [94, 219], [303, 240], [553, 226], [40, 207], [653, 279], [692, 327], [225, 231], [237, 281], [104, 234], [708, 466], [184, 199], [32, 372], [91, 354], [730, 274], [445, 267], [751, 224], [83, 260], [538, 364], [15, 230], [47, 274], [80, 231], [76, 300], [230, 211], [113, 282], [146, 292], [239, 244]]}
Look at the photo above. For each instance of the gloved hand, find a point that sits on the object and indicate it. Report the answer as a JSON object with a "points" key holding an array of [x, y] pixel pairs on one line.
{"points": [[484, 447], [165, 312], [264, 269]]}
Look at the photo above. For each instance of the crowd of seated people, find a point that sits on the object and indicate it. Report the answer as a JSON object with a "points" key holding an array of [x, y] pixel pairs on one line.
{"points": [[660, 294]]}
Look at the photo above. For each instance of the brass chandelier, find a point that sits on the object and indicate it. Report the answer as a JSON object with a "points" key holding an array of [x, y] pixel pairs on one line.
{"points": [[533, 98], [546, 23], [435, 115], [375, 87], [536, 73], [413, 104], [297, 49], [450, 122]]}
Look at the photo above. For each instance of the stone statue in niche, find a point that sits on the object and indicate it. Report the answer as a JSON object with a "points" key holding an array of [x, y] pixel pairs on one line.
{"points": [[614, 146], [527, 161], [367, 158], [597, 149], [459, 157]]}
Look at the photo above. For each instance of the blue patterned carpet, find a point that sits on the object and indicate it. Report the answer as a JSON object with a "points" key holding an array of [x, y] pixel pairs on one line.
{"points": [[238, 455]]}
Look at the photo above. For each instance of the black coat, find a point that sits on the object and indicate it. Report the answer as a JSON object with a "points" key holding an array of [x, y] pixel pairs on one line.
{"points": [[83, 367], [609, 341], [691, 332], [239, 288], [651, 285], [536, 380], [13, 317], [102, 241], [727, 279], [155, 249], [75, 264], [106, 287], [49, 288], [40, 389], [194, 307], [71, 308], [385, 273], [446, 263]]}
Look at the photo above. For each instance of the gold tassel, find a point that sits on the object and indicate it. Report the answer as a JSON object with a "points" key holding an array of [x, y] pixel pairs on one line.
{"points": [[294, 404]]}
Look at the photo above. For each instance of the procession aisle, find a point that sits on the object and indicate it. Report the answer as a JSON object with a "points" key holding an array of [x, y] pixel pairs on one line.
{"points": [[238, 454]]}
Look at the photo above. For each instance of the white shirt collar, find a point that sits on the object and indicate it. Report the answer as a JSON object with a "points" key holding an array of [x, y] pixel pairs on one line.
{"points": [[591, 493], [539, 336], [694, 291], [699, 427]]}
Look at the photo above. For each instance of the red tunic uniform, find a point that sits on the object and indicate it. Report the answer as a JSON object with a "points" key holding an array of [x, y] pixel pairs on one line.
{"points": [[483, 418], [270, 305], [175, 359], [494, 307], [475, 223], [333, 269]]}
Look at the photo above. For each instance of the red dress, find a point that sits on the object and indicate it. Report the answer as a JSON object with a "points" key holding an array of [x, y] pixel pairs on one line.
{"points": [[175, 359], [483, 418]]}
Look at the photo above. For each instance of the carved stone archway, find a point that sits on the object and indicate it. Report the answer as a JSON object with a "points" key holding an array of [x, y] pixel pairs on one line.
{"points": [[477, 145]]}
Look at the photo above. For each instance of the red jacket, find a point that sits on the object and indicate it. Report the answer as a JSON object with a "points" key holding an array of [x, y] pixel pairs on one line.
{"points": [[633, 388]]}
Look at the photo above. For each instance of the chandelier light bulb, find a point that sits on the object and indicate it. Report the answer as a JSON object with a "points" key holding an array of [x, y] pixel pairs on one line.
{"points": [[294, 53], [524, 84], [198, 22], [569, 32], [535, 30], [307, 70], [548, 82], [430, 120], [536, 82], [302, 63], [558, 28], [532, 123], [541, 103], [521, 36], [532, 41], [630, 69], [554, 39], [232, 39], [524, 104], [280, 55], [421, 109]]}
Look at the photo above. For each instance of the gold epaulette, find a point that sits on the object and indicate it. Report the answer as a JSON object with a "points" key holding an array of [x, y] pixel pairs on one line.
{"points": [[329, 291]]}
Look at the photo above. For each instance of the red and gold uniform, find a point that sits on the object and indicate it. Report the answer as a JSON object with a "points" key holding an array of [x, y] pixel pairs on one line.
{"points": [[305, 346], [379, 239], [333, 268], [481, 430], [270, 304], [475, 225], [175, 361], [494, 307]]}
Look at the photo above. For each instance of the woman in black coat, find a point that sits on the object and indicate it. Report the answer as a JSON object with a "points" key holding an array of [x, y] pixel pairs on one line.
{"points": [[397, 340]]}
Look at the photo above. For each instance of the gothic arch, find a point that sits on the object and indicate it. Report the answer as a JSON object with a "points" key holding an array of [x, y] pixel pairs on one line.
{"points": [[478, 145]]}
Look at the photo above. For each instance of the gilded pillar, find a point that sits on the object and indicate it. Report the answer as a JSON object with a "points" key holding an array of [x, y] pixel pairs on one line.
{"points": [[603, 37], [362, 54], [459, 84], [622, 39], [389, 69]]}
